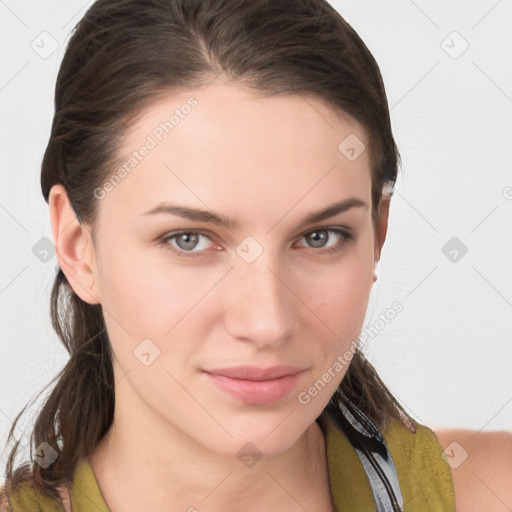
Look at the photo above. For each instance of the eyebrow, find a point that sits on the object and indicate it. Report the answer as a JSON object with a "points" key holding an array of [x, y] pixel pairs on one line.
{"points": [[221, 220]]}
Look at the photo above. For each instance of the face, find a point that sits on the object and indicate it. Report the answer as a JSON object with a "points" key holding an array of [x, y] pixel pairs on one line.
{"points": [[208, 256]]}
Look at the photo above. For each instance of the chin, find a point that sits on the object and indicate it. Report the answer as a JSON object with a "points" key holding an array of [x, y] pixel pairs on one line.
{"points": [[268, 439]]}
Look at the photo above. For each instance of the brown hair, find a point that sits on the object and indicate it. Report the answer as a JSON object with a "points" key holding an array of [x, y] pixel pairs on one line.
{"points": [[123, 56]]}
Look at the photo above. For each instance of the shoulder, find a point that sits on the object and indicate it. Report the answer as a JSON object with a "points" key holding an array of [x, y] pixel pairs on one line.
{"points": [[424, 475], [25, 498], [481, 467]]}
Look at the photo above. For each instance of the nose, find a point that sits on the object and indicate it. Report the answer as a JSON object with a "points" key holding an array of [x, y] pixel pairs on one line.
{"points": [[259, 305]]}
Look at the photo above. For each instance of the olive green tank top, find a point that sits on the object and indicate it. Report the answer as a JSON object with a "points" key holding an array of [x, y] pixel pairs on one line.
{"points": [[424, 476]]}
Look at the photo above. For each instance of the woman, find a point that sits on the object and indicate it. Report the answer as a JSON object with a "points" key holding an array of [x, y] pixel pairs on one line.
{"points": [[219, 177]]}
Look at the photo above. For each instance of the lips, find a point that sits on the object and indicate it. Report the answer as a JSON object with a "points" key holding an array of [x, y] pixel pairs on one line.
{"points": [[257, 374], [256, 386]]}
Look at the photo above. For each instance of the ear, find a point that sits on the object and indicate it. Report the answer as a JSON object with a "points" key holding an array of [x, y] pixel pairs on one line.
{"points": [[75, 250], [382, 224]]}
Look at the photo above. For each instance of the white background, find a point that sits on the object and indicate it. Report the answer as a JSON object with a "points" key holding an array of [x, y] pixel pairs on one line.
{"points": [[448, 355]]}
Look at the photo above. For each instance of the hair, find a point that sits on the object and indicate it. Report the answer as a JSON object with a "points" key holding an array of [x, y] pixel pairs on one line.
{"points": [[123, 56]]}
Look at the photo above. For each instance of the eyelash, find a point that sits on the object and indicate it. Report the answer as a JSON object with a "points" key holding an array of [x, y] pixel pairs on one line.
{"points": [[346, 235]]}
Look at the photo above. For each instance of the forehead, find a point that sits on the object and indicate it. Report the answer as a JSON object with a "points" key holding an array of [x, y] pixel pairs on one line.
{"points": [[228, 147]]}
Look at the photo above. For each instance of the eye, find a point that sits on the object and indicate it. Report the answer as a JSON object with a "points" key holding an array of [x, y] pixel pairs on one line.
{"points": [[331, 238], [186, 242]]}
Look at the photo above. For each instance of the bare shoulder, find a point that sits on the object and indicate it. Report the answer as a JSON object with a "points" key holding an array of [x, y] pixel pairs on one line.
{"points": [[481, 465]]}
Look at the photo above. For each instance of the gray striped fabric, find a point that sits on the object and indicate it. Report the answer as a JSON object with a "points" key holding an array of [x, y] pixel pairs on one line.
{"points": [[374, 455]]}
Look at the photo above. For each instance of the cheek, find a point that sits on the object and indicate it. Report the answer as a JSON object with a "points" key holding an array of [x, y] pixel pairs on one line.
{"points": [[340, 302], [145, 307], [144, 295], [340, 293], [339, 299]]}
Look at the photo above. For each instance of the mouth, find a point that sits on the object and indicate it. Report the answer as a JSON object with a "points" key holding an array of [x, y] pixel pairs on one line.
{"points": [[256, 386]]}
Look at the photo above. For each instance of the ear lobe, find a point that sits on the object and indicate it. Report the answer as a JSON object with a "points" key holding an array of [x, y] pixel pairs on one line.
{"points": [[75, 250]]}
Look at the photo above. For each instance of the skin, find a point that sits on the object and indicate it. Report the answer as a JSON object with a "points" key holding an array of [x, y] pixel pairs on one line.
{"points": [[483, 481], [266, 162]]}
